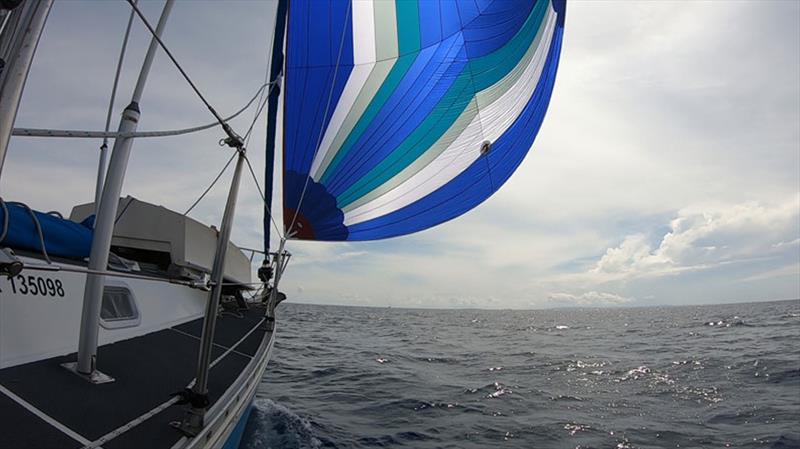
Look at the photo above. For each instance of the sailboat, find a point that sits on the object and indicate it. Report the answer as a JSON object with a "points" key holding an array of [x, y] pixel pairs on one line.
{"points": [[128, 325]]}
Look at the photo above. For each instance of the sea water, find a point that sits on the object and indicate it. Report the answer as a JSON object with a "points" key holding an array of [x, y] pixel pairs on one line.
{"points": [[658, 377]]}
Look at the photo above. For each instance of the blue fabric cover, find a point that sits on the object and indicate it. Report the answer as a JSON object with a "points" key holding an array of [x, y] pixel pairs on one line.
{"points": [[62, 238]]}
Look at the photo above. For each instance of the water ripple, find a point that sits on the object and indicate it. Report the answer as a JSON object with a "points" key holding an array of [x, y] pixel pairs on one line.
{"points": [[708, 376]]}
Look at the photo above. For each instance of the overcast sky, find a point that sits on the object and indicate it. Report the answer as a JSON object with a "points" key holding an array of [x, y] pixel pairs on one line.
{"points": [[667, 170]]}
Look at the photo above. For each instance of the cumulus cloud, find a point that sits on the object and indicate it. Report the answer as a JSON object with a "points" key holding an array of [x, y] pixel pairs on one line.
{"points": [[705, 237]]}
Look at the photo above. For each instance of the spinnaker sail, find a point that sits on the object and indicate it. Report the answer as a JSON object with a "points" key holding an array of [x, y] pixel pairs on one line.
{"points": [[403, 114]]}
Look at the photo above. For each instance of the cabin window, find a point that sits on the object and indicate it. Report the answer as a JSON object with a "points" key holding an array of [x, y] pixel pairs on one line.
{"points": [[118, 308]]}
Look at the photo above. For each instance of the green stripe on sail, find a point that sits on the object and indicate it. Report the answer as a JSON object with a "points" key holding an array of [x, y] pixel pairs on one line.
{"points": [[386, 51], [409, 47], [483, 98], [488, 69], [408, 34], [438, 148], [480, 74]]}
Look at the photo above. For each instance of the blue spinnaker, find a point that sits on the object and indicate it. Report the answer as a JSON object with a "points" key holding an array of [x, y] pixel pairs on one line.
{"points": [[402, 114]]}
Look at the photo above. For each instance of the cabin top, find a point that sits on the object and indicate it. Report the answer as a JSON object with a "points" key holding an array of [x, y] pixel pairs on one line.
{"points": [[178, 244]]}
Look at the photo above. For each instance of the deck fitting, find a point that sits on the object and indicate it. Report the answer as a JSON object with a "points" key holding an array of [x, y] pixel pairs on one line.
{"points": [[95, 377], [192, 424]]}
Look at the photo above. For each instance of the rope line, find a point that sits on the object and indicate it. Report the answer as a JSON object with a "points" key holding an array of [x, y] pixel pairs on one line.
{"points": [[36, 224]]}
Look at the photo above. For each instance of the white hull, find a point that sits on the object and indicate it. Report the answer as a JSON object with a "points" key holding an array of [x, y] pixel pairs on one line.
{"points": [[36, 325]]}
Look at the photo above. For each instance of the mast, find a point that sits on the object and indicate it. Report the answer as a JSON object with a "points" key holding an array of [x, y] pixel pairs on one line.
{"points": [[17, 50], [104, 220], [275, 76]]}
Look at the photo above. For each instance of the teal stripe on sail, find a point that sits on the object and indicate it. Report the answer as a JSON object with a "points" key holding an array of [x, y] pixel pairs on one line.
{"points": [[480, 74], [386, 53], [488, 69], [408, 26], [483, 98], [409, 48]]}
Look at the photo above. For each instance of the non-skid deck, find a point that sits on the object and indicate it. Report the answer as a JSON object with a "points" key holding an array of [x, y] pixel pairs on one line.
{"points": [[44, 406]]}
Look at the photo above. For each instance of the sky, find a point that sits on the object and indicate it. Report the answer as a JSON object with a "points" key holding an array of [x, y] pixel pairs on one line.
{"points": [[667, 170]]}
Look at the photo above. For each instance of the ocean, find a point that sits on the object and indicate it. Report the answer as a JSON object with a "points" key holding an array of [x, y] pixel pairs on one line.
{"points": [[710, 376]]}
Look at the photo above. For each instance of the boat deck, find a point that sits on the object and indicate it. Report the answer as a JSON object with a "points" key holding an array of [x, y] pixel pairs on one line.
{"points": [[44, 406]]}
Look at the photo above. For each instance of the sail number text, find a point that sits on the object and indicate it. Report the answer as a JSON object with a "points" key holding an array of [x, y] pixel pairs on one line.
{"points": [[35, 285]]}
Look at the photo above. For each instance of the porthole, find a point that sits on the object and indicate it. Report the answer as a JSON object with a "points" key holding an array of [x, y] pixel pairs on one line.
{"points": [[118, 309]]}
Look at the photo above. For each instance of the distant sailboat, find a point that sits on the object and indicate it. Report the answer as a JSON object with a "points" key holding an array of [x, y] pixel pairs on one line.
{"points": [[397, 116]]}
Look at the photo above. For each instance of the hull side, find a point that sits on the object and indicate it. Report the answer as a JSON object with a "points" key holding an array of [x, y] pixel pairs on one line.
{"points": [[235, 438], [233, 408]]}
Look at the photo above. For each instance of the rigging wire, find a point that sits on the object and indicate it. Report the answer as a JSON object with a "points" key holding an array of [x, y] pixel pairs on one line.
{"points": [[263, 196], [223, 123], [321, 131], [252, 172], [234, 139], [39, 132], [210, 185], [247, 136], [266, 81], [120, 60], [101, 162], [81, 270], [259, 110]]}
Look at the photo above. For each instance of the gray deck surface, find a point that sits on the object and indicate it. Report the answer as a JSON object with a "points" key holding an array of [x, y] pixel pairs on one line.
{"points": [[147, 370]]}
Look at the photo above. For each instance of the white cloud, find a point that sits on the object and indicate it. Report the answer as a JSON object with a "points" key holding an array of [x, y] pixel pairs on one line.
{"points": [[706, 237]]}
